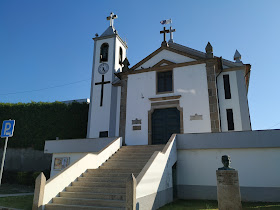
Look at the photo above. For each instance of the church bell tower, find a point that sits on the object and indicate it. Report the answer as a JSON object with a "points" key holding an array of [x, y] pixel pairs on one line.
{"points": [[104, 109]]}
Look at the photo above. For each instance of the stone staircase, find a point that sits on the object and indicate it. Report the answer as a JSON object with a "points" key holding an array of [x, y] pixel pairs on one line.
{"points": [[105, 188]]}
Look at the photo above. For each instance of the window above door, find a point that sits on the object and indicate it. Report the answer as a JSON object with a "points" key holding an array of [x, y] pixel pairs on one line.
{"points": [[164, 82]]}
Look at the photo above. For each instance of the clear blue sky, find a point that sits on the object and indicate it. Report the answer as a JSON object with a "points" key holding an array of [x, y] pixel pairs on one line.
{"points": [[48, 44]]}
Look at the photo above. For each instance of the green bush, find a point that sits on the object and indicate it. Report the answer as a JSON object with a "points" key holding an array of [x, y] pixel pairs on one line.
{"points": [[37, 122], [22, 178]]}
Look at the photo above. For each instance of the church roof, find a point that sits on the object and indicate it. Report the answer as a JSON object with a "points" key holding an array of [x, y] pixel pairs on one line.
{"points": [[201, 54], [109, 31], [192, 53]]}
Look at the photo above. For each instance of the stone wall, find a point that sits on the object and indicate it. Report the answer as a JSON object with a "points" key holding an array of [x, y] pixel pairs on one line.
{"points": [[26, 159]]}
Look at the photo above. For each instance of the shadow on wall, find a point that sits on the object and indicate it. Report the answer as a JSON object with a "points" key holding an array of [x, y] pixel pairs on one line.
{"points": [[160, 198]]}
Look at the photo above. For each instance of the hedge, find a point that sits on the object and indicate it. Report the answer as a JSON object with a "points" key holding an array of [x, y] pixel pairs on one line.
{"points": [[37, 122]]}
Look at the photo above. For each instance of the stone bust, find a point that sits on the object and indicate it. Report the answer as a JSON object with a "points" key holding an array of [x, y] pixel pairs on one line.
{"points": [[226, 162]]}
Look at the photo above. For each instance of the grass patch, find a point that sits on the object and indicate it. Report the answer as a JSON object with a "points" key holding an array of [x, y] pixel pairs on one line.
{"points": [[19, 202], [213, 205], [191, 205], [15, 188]]}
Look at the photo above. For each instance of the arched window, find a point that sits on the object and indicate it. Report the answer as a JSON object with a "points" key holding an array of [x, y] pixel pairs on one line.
{"points": [[104, 51], [120, 56]]}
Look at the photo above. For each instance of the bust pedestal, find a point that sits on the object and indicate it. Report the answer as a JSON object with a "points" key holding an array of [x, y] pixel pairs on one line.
{"points": [[228, 190]]}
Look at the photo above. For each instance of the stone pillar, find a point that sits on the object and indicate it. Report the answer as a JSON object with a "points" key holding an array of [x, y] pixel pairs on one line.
{"points": [[131, 193], [228, 190], [123, 108], [211, 68], [212, 71], [40, 183]]}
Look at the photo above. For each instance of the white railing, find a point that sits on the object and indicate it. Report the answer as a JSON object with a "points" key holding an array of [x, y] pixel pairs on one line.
{"points": [[58, 182]]}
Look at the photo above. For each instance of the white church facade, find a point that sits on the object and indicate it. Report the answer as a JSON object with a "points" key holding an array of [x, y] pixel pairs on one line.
{"points": [[175, 89], [157, 131]]}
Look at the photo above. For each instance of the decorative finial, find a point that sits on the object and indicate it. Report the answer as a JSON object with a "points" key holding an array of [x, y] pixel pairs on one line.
{"points": [[209, 50], [125, 65], [96, 35], [237, 57], [171, 34], [111, 18]]}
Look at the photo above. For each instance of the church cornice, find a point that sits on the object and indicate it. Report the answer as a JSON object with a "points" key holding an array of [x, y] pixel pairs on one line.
{"points": [[162, 68], [111, 36], [161, 49]]}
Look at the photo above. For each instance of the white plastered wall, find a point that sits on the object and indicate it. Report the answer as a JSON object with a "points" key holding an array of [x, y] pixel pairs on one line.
{"points": [[256, 167], [232, 103], [100, 117], [190, 82]]}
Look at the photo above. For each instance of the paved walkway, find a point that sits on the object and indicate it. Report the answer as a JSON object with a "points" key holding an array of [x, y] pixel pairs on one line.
{"points": [[17, 194], [8, 208]]}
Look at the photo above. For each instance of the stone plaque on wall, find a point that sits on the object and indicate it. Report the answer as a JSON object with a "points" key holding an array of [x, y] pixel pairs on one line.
{"points": [[228, 190], [196, 117], [136, 127], [136, 121]]}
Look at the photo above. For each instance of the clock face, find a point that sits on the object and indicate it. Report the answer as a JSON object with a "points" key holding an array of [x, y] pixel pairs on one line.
{"points": [[103, 68]]}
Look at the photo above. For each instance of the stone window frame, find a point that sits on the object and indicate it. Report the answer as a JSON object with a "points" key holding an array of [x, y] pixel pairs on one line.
{"points": [[172, 91], [164, 105]]}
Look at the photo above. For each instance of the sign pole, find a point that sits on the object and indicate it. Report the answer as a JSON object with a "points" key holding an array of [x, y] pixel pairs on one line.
{"points": [[3, 159]]}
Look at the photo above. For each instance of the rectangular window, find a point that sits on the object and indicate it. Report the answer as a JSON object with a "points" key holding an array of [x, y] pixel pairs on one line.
{"points": [[230, 120], [227, 87], [164, 81], [103, 134]]}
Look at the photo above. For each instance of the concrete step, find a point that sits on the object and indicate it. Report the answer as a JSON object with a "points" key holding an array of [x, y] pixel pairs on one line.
{"points": [[131, 167], [103, 179], [53, 206], [132, 155], [129, 158], [113, 172], [92, 195], [136, 152], [121, 164], [109, 175], [114, 190], [145, 147], [89, 202], [98, 184]]}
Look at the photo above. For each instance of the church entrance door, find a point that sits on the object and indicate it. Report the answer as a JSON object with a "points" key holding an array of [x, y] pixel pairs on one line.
{"points": [[165, 122]]}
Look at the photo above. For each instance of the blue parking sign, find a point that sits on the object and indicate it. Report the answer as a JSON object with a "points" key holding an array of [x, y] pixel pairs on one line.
{"points": [[7, 128]]}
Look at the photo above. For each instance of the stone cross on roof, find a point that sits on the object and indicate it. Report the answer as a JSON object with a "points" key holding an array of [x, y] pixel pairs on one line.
{"points": [[164, 33], [171, 34], [111, 18]]}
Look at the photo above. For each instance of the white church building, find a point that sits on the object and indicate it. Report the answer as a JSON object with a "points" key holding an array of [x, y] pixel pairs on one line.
{"points": [[157, 131]]}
